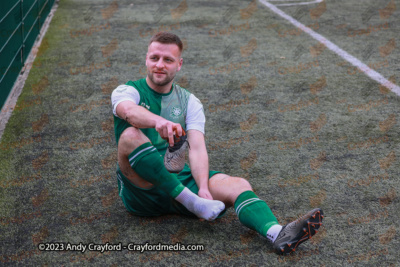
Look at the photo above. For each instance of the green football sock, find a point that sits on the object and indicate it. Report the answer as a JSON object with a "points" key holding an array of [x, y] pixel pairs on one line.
{"points": [[254, 213], [149, 165]]}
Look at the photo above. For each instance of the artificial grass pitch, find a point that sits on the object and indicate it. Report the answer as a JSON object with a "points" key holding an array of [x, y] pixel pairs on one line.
{"points": [[304, 127]]}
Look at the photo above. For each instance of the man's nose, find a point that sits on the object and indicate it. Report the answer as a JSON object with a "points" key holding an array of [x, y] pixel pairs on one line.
{"points": [[160, 64]]}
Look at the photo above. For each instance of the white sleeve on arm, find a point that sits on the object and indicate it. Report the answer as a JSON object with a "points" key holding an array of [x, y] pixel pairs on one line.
{"points": [[195, 118], [122, 93]]}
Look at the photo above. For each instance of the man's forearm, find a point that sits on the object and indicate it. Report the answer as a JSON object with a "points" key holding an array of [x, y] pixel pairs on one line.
{"points": [[137, 116], [140, 117], [200, 171], [198, 159]]}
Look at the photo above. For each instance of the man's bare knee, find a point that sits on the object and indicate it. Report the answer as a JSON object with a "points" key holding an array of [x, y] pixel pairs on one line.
{"points": [[130, 139], [243, 184], [230, 182], [227, 188]]}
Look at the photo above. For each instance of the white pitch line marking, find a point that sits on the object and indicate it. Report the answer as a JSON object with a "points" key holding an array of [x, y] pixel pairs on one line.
{"points": [[334, 48], [294, 2]]}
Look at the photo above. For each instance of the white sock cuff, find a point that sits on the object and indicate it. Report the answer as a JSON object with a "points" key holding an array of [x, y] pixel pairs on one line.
{"points": [[273, 232], [186, 194]]}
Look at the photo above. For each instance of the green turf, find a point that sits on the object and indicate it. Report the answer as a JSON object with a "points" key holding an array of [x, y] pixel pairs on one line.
{"points": [[301, 125]]}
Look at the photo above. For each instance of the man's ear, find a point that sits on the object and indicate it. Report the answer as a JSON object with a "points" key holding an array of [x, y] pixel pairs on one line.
{"points": [[180, 64]]}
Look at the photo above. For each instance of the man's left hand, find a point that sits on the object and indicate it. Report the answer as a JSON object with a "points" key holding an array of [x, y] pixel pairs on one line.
{"points": [[205, 193]]}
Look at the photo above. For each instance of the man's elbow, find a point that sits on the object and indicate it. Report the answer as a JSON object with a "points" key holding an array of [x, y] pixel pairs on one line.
{"points": [[124, 111]]}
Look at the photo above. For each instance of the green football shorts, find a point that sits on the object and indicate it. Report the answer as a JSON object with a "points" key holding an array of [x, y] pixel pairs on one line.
{"points": [[154, 201]]}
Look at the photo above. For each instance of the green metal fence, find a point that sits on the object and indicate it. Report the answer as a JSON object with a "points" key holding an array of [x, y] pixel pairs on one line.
{"points": [[20, 24]]}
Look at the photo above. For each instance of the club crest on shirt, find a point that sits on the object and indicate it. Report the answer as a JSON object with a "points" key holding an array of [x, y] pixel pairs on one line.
{"points": [[176, 112]]}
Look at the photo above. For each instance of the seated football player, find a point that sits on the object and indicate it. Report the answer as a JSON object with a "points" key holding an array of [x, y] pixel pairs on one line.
{"points": [[156, 122]]}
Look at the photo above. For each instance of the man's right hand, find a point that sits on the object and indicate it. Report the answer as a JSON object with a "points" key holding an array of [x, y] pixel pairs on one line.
{"points": [[167, 129]]}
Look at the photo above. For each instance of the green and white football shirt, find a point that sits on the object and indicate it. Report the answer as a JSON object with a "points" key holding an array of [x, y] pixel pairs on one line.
{"points": [[179, 106]]}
